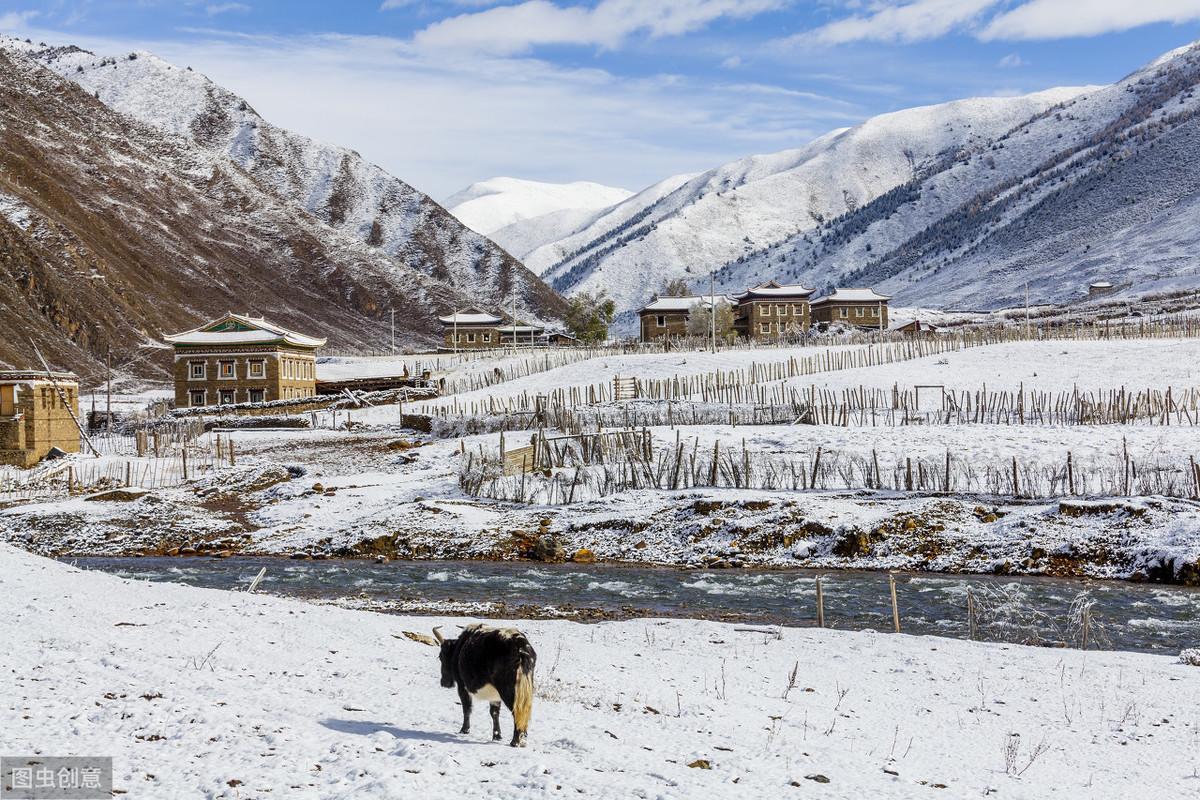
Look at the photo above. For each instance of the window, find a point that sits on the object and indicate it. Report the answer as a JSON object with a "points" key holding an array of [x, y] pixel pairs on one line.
{"points": [[470, 338], [197, 370], [781, 311], [487, 337], [858, 311], [258, 368], [764, 327], [842, 313], [257, 395], [226, 397], [874, 312], [661, 320], [198, 397], [226, 370], [797, 310]]}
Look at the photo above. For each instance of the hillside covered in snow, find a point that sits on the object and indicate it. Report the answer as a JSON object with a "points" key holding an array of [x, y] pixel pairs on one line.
{"points": [[115, 233], [1103, 186], [333, 184], [687, 226]]}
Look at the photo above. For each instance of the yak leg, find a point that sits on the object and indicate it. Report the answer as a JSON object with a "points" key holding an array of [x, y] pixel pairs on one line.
{"points": [[465, 698], [495, 722], [509, 696]]}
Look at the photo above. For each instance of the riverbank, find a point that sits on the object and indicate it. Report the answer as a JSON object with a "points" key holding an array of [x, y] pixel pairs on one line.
{"points": [[413, 511], [233, 695]]}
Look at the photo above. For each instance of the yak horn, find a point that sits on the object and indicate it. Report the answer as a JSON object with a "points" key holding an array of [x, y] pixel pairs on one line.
{"points": [[437, 634]]}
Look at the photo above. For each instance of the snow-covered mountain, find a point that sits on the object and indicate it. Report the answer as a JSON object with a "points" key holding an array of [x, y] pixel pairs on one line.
{"points": [[114, 233], [522, 215], [1102, 186], [685, 230], [334, 184], [488, 206]]}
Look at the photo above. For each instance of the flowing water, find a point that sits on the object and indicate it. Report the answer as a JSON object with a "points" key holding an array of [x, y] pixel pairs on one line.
{"points": [[1109, 614]]}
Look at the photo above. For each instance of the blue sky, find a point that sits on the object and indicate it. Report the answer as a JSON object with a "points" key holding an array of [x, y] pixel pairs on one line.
{"points": [[624, 92]]}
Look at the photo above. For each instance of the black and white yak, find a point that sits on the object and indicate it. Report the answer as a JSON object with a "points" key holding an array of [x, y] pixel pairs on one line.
{"points": [[491, 664]]}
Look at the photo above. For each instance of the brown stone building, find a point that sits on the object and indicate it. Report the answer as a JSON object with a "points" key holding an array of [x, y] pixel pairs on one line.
{"points": [[471, 329], [242, 359], [667, 317], [864, 308], [33, 416], [772, 311]]}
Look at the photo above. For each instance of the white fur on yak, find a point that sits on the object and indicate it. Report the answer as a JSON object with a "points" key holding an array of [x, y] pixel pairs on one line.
{"points": [[494, 665]]}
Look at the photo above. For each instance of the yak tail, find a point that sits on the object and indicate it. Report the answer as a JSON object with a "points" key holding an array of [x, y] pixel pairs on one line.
{"points": [[523, 702]]}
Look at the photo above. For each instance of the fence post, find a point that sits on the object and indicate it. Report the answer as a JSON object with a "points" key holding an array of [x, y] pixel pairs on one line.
{"points": [[972, 622], [820, 604], [183, 455], [895, 605]]}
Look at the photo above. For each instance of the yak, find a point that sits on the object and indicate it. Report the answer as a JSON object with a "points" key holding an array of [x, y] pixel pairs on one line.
{"points": [[492, 664]]}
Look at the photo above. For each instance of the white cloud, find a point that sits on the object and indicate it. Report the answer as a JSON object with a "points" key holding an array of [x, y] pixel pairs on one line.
{"points": [[907, 22], [225, 8], [518, 28], [1012, 60], [15, 20], [1057, 19]]}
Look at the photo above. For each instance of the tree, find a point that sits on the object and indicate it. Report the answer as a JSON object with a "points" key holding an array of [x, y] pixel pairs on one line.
{"points": [[700, 320], [589, 314], [674, 287]]}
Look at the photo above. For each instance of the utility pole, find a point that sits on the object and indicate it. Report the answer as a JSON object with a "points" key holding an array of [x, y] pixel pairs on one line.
{"points": [[712, 306], [455, 318], [393, 310], [108, 387], [1027, 331]]}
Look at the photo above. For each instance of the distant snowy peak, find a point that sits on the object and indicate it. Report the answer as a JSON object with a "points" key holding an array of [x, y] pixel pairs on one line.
{"points": [[490, 205]]}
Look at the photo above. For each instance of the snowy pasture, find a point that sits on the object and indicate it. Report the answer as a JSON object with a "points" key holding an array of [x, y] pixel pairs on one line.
{"points": [[203, 693]]}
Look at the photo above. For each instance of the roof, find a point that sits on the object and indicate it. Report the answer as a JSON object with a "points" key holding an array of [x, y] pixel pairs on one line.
{"points": [[685, 303], [35, 375], [774, 289], [1101, 285], [840, 295], [520, 328], [234, 329], [470, 316]]}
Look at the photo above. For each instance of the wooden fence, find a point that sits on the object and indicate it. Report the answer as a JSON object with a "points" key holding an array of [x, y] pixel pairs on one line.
{"points": [[568, 472]]}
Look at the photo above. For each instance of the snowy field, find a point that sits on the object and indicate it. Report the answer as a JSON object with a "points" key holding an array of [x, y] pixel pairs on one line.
{"points": [[202, 693], [1048, 366]]}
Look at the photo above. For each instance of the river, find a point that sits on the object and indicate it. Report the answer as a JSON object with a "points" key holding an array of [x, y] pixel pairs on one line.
{"points": [[1110, 614]]}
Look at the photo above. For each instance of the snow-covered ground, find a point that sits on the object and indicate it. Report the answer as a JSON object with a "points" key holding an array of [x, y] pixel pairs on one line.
{"points": [[203, 693]]}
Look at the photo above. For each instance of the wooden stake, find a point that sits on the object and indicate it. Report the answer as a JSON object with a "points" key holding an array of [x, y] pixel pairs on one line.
{"points": [[895, 605], [820, 604]]}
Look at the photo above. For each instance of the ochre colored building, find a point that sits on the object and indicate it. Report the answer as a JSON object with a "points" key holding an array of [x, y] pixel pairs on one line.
{"points": [[772, 311], [864, 308], [242, 359], [667, 317], [34, 417]]}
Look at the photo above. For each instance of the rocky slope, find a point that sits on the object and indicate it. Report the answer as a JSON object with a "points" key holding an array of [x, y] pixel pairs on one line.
{"points": [[333, 184], [113, 231]]}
